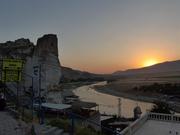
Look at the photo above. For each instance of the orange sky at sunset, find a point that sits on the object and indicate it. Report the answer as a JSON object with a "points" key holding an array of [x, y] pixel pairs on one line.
{"points": [[144, 53], [99, 36]]}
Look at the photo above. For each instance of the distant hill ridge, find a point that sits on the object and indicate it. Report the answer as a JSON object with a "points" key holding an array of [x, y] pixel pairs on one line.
{"points": [[168, 66], [69, 74]]}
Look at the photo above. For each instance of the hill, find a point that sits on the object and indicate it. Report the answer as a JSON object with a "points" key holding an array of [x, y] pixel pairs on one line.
{"points": [[69, 75], [169, 67]]}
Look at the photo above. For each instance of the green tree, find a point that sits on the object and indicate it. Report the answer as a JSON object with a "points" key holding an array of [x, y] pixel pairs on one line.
{"points": [[161, 107]]}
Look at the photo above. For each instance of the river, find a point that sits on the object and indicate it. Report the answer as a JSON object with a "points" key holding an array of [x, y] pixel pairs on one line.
{"points": [[109, 104]]}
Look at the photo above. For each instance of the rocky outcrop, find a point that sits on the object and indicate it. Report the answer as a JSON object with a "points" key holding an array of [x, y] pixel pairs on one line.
{"points": [[20, 48], [44, 55], [47, 53]]}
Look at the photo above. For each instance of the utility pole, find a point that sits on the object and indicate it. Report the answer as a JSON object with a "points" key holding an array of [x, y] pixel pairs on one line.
{"points": [[32, 92], [32, 79], [18, 91], [119, 107], [40, 113], [37, 72]]}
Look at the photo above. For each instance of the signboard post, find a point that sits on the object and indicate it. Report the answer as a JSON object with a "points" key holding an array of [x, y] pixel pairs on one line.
{"points": [[12, 64], [37, 73], [11, 71]]}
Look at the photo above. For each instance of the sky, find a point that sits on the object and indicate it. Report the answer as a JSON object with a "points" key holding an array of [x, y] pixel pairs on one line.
{"points": [[100, 36]]}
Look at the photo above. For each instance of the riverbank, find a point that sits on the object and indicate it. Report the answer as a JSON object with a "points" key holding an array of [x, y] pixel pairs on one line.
{"points": [[136, 95], [110, 91], [102, 87], [58, 94], [109, 104]]}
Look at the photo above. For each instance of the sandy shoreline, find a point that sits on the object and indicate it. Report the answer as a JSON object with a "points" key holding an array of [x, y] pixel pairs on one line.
{"points": [[126, 95], [107, 103], [106, 90]]}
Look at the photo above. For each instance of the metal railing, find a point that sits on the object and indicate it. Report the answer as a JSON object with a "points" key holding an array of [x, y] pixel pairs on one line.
{"points": [[164, 117]]}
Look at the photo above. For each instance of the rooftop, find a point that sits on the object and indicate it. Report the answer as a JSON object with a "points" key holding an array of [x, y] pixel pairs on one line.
{"points": [[54, 106], [152, 127], [83, 104], [154, 124]]}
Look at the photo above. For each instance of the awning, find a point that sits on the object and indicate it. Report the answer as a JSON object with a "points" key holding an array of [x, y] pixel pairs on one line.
{"points": [[83, 104], [56, 106]]}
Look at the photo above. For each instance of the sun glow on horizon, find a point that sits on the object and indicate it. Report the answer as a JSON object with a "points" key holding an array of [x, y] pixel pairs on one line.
{"points": [[149, 62]]}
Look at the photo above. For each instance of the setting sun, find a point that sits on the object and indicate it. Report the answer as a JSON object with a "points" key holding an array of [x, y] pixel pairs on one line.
{"points": [[149, 62]]}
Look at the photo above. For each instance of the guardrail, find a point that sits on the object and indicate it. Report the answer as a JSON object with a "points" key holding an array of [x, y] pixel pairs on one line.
{"points": [[132, 128], [164, 117]]}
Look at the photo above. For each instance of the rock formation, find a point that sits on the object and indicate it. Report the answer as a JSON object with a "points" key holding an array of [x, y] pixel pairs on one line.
{"points": [[44, 55], [47, 53]]}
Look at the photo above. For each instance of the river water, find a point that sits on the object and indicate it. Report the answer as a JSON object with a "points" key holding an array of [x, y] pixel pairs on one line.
{"points": [[109, 104]]}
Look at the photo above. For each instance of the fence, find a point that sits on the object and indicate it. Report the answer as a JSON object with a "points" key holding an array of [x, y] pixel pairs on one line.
{"points": [[164, 117]]}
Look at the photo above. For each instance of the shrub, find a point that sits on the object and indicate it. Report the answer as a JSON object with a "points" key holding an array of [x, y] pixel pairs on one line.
{"points": [[161, 107]]}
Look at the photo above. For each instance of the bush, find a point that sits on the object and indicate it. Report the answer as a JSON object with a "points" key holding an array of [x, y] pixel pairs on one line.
{"points": [[161, 107]]}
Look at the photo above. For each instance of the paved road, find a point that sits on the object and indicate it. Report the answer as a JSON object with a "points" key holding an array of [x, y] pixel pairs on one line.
{"points": [[10, 126]]}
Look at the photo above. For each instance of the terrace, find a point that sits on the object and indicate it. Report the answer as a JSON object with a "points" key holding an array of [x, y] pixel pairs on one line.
{"points": [[154, 124]]}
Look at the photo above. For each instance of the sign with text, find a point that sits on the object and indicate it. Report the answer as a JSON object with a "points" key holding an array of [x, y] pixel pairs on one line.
{"points": [[11, 76], [11, 70], [12, 64]]}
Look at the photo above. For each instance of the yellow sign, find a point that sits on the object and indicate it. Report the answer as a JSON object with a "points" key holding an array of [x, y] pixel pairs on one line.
{"points": [[11, 70], [12, 64], [11, 76]]}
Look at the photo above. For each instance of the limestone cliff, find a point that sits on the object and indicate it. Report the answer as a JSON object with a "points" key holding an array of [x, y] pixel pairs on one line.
{"points": [[47, 53], [44, 55]]}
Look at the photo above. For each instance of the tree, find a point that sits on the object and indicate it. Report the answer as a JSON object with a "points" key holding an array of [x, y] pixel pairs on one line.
{"points": [[161, 107]]}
